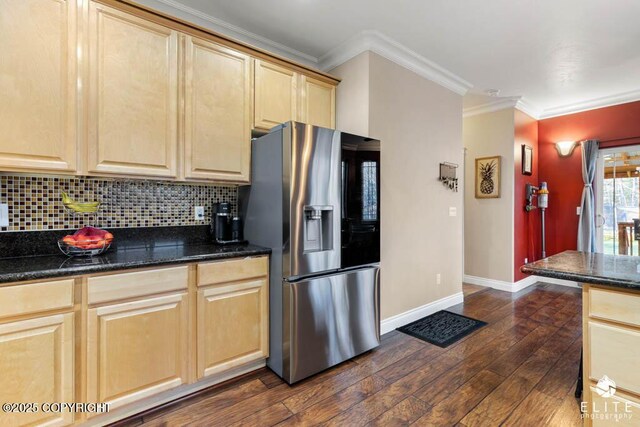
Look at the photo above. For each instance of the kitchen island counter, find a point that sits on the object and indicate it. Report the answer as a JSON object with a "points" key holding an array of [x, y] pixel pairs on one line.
{"points": [[610, 332], [621, 271]]}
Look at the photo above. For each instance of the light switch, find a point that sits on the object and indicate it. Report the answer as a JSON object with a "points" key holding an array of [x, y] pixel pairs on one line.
{"points": [[4, 215], [578, 210], [453, 211]]}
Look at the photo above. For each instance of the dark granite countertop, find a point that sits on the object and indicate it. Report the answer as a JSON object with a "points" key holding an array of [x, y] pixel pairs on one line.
{"points": [[620, 271], [136, 248]]}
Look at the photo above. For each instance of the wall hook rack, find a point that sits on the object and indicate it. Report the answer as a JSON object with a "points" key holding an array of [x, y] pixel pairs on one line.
{"points": [[448, 175]]}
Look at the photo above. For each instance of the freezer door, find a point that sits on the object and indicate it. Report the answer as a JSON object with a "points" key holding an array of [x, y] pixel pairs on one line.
{"points": [[330, 319]]}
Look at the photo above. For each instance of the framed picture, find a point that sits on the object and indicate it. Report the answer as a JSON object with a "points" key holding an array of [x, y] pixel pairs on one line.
{"points": [[488, 177], [527, 160]]}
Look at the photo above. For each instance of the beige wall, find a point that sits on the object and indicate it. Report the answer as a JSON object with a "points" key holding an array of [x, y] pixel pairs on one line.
{"points": [[488, 223], [420, 125], [352, 96]]}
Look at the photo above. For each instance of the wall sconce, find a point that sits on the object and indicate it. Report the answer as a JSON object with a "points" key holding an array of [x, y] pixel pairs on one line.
{"points": [[565, 148]]}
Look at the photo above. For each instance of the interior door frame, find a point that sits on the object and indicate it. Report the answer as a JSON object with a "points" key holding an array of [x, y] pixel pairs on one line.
{"points": [[599, 187]]}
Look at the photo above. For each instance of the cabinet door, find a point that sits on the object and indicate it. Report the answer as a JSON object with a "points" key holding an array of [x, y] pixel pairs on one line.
{"points": [[318, 103], [36, 361], [38, 85], [275, 95], [132, 114], [136, 349], [217, 112], [232, 326], [619, 410]]}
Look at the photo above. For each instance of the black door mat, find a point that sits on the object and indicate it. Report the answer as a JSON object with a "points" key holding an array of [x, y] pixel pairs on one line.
{"points": [[442, 328]]}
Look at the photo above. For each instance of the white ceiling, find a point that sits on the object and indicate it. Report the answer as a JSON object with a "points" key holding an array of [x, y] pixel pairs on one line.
{"points": [[559, 55]]}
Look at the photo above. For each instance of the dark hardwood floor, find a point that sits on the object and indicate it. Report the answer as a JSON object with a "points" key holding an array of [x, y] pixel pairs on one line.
{"points": [[519, 370]]}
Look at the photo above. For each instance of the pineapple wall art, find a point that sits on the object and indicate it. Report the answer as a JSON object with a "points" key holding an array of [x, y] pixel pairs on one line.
{"points": [[488, 177]]}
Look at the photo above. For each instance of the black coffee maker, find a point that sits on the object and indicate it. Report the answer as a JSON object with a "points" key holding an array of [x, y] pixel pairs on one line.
{"points": [[225, 229]]}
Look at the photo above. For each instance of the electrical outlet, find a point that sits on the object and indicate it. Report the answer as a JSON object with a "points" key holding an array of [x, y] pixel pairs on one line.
{"points": [[438, 279], [4, 215], [578, 210], [453, 211], [198, 213], [526, 260]]}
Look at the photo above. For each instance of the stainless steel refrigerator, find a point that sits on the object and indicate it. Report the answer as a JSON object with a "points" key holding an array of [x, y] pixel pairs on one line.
{"points": [[315, 201]]}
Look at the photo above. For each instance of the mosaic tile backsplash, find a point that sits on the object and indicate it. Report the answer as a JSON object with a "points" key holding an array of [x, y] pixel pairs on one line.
{"points": [[34, 202]]}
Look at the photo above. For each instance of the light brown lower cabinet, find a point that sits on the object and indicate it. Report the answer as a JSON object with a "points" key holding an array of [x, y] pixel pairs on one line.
{"points": [[232, 325], [137, 349], [132, 339], [611, 345], [36, 365], [619, 410]]}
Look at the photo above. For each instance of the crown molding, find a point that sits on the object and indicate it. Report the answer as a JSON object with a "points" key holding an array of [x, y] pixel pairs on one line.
{"points": [[529, 109], [490, 107], [216, 24], [592, 104], [394, 51]]}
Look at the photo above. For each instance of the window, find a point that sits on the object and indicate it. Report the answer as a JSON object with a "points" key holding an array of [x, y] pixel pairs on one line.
{"points": [[369, 191]]}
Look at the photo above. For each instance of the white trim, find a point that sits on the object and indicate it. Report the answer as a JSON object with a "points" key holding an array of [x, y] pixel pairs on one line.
{"points": [[591, 104], [490, 107], [489, 283], [525, 283], [393, 322], [216, 24], [517, 286], [533, 111], [394, 51], [526, 107]]}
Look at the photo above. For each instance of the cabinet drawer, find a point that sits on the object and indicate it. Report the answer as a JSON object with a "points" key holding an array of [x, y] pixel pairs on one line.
{"points": [[233, 270], [623, 307], [36, 297], [618, 410], [136, 284], [614, 352]]}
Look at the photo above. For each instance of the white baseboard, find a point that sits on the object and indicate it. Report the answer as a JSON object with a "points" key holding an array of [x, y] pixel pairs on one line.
{"points": [[525, 283], [393, 322], [561, 282], [489, 283], [516, 286]]}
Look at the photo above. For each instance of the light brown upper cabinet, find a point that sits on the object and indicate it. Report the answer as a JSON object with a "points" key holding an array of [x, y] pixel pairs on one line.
{"points": [[132, 95], [217, 114], [38, 85], [318, 102], [107, 89], [282, 95], [275, 95]]}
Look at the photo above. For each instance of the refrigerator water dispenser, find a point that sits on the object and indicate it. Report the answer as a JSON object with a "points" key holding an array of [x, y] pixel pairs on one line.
{"points": [[318, 228]]}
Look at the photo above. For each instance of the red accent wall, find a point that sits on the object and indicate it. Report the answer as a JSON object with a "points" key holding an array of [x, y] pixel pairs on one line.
{"points": [[526, 224], [564, 174]]}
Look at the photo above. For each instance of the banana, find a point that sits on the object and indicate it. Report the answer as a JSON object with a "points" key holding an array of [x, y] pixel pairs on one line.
{"points": [[79, 207]]}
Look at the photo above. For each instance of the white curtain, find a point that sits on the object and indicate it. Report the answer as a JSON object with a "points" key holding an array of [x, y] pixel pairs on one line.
{"points": [[587, 222]]}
